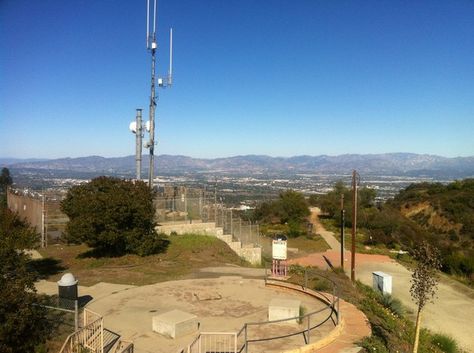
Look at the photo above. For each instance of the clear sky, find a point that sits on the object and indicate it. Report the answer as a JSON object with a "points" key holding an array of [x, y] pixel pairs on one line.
{"points": [[279, 77]]}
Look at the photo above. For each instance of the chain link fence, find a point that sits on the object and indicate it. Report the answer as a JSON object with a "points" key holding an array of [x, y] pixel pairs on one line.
{"points": [[178, 204], [173, 204], [41, 210]]}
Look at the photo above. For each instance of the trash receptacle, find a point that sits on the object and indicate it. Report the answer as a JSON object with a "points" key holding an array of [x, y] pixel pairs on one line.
{"points": [[67, 287]]}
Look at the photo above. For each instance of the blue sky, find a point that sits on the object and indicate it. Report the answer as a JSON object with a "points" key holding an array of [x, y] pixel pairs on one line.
{"points": [[251, 77]]}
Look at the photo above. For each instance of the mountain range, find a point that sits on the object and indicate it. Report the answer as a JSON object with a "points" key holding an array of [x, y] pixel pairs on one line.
{"points": [[382, 164]]}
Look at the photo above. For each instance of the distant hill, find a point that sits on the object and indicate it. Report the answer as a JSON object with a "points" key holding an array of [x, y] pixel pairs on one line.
{"points": [[10, 161], [382, 164]]}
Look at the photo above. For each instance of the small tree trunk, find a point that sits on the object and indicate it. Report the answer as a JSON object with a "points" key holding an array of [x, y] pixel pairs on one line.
{"points": [[417, 331]]}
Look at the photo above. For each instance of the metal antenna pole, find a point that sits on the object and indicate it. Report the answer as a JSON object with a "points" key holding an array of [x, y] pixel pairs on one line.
{"points": [[354, 222], [152, 117], [138, 147], [151, 45]]}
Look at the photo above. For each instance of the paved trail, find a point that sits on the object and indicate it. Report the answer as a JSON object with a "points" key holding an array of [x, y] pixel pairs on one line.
{"points": [[453, 310]]}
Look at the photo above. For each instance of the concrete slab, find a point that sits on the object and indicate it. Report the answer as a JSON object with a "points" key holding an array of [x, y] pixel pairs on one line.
{"points": [[175, 323], [280, 309]]}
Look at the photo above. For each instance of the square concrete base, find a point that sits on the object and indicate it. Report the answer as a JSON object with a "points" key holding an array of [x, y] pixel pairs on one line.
{"points": [[175, 323], [279, 309]]}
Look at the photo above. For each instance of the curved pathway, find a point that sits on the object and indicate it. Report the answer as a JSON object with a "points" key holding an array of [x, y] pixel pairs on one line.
{"points": [[452, 311]]}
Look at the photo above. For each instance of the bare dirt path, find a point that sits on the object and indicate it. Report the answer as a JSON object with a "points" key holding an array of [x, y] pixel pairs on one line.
{"points": [[318, 228], [452, 311]]}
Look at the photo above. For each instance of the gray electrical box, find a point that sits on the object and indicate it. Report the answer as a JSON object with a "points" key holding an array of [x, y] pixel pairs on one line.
{"points": [[382, 282]]}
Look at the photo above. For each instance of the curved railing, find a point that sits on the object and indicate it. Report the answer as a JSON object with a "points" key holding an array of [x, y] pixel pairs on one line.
{"points": [[240, 341]]}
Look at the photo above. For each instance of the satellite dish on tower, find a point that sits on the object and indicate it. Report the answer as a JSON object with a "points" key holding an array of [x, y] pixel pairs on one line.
{"points": [[133, 127]]}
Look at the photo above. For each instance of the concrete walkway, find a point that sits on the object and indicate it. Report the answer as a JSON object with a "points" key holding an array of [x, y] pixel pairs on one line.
{"points": [[356, 327], [452, 311]]}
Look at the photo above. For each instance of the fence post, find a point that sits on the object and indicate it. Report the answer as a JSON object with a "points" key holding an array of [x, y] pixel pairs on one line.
{"points": [[305, 278], [200, 205], [101, 335], [246, 343], [258, 235], [250, 231], [309, 326], [231, 223], [76, 315], [223, 219]]}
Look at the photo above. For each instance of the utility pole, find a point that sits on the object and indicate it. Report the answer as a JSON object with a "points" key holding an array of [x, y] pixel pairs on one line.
{"points": [[215, 201], [342, 231], [354, 221], [43, 216]]}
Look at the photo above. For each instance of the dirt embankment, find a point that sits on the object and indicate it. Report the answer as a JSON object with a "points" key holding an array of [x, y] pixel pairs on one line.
{"points": [[426, 215]]}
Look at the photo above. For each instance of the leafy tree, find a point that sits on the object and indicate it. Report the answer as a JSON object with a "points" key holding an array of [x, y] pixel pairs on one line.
{"points": [[424, 281], [330, 203], [5, 181], [5, 178], [114, 216], [23, 323], [293, 207], [290, 208]]}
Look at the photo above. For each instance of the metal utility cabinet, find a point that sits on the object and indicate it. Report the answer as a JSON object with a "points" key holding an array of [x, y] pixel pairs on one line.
{"points": [[382, 282]]}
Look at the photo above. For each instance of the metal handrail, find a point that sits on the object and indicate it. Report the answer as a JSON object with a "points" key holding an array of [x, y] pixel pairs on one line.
{"points": [[332, 306]]}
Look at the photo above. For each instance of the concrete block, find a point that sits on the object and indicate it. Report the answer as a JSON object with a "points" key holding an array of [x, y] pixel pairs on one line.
{"points": [[279, 309], [252, 255], [235, 246], [227, 238], [175, 323]]}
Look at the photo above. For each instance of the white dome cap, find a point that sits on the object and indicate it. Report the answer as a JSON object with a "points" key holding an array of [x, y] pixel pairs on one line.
{"points": [[67, 280]]}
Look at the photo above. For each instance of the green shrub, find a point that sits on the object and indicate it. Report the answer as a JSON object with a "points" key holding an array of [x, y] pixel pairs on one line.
{"points": [[393, 304], [322, 285], [302, 313], [374, 344], [445, 343]]}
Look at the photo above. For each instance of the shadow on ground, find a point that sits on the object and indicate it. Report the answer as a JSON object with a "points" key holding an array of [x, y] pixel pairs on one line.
{"points": [[83, 300], [46, 267], [114, 253]]}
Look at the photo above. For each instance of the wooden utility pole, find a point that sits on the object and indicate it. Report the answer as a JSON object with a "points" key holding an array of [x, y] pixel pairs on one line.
{"points": [[354, 222], [43, 222], [342, 231]]}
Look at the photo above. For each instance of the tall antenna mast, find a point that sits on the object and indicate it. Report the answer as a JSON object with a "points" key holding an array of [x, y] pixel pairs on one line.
{"points": [[152, 46]]}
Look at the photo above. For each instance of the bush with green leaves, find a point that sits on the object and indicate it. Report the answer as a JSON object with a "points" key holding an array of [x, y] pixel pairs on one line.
{"points": [[445, 343], [393, 304], [114, 216], [23, 323], [290, 209]]}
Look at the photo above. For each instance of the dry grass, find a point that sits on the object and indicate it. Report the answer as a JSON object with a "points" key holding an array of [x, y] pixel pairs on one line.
{"points": [[185, 254]]}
